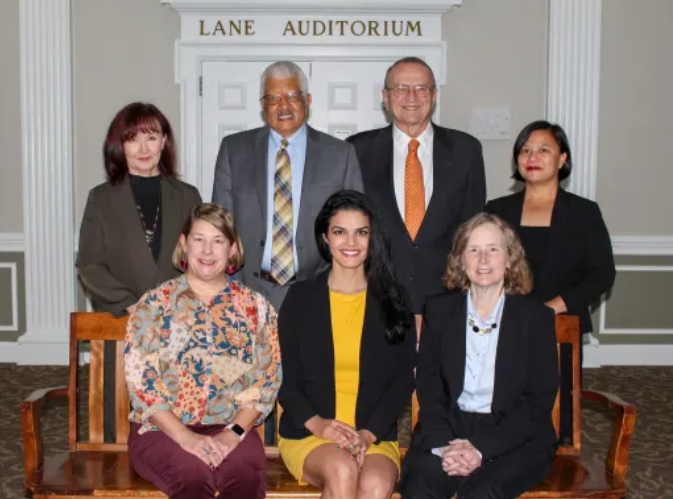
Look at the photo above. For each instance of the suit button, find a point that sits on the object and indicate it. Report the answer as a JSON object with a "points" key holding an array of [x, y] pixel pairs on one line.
{"points": [[411, 277], [415, 245], [255, 274], [261, 243]]}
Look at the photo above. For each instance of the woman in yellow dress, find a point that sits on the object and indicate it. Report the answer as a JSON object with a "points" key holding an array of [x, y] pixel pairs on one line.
{"points": [[348, 350]]}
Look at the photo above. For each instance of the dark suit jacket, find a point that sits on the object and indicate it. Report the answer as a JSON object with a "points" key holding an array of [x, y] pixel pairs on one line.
{"points": [[114, 262], [308, 389], [241, 187], [459, 192], [526, 376], [579, 264]]}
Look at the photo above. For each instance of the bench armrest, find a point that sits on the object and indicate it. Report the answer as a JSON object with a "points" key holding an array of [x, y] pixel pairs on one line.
{"points": [[617, 460], [33, 456]]}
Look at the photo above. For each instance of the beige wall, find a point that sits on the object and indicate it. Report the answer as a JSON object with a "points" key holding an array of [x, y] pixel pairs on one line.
{"points": [[11, 199], [497, 56], [635, 150], [123, 52]]}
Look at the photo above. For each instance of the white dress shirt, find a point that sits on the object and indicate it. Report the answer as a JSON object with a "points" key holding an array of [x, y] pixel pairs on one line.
{"points": [[400, 152]]}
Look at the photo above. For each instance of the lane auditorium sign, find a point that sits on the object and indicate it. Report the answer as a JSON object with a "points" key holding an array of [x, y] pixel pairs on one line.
{"points": [[312, 28]]}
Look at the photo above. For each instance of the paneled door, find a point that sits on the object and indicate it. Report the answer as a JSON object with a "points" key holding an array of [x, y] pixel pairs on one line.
{"points": [[346, 99]]}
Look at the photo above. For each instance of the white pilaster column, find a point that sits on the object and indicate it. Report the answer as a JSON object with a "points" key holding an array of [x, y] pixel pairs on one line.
{"points": [[46, 111], [572, 93]]}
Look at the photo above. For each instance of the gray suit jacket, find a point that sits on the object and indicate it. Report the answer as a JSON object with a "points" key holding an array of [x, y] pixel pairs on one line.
{"points": [[241, 186], [114, 262]]}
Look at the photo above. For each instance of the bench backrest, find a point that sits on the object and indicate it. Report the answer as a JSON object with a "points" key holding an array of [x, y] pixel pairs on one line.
{"points": [[96, 328]]}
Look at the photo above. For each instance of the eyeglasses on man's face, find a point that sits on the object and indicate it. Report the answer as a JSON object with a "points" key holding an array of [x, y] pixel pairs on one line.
{"points": [[403, 90], [275, 99]]}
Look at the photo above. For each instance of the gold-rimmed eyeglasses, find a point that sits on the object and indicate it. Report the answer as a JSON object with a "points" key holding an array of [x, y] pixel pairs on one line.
{"points": [[275, 99], [403, 90]]}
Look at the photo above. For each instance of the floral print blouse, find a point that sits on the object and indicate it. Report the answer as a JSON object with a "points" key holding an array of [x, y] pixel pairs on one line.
{"points": [[202, 361]]}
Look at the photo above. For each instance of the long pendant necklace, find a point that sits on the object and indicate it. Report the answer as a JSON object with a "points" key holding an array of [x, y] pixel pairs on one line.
{"points": [[149, 233]]}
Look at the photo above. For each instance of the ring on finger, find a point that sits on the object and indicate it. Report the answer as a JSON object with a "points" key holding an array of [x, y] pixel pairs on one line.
{"points": [[206, 450], [350, 448]]}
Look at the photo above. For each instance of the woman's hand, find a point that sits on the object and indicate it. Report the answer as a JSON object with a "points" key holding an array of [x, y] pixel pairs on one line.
{"points": [[201, 446], [557, 305], [460, 458], [226, 442], [332, 430]]}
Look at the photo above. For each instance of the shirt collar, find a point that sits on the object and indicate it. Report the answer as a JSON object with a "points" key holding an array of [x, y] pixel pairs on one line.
{"points": [[402, 139], [495, 315], [296, 140]]}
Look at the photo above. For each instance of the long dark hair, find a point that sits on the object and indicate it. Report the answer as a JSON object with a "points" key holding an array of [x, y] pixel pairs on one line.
{"points": [[378, 266]]}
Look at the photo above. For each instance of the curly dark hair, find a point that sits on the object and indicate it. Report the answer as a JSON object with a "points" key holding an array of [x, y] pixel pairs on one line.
{"points": [[518, 277], [130, 120], [378, 266]]}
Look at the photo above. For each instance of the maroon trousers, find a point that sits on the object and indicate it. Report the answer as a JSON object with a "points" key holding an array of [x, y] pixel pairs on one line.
{"points": [[181, 475]]}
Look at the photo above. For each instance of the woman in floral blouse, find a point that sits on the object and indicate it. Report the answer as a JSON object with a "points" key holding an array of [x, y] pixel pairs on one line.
{"points": [[203, 368]]}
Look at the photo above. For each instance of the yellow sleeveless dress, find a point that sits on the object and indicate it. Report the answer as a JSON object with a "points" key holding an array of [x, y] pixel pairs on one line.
{"points": [[348, 314]]}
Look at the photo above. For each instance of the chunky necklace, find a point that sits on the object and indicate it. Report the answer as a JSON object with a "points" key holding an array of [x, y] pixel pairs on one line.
{"points": [[481, 332]]}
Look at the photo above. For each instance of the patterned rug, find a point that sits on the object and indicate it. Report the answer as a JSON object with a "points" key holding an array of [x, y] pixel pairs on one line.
{"points": [[650, 388]]}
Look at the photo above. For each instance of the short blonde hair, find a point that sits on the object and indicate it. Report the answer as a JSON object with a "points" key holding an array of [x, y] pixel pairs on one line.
{"points": [[222, 220], [518, 277]]}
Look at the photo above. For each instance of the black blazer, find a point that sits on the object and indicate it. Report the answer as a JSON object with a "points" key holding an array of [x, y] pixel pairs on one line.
{"points": [[307, 350], [459, 192], [526, 376], [579, 264]]}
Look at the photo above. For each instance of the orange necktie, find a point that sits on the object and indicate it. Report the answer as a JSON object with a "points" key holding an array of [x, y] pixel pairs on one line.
{"points": [[414, 191]]}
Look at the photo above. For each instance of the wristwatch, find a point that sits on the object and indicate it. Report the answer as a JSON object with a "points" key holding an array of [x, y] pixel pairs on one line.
{"points": [[237, 429]]}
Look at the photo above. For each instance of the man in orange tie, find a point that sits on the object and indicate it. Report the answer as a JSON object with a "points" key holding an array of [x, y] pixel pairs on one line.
{"points": [[423, 179]]}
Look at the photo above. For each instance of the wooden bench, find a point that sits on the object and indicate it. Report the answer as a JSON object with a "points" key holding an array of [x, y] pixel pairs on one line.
{"points": [[100, 470]]}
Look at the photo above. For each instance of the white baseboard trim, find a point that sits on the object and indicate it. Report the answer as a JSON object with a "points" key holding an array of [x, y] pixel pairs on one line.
{"points": [[594, 355], [636, 355], [34, 354], [9, 352], [11, 242]]}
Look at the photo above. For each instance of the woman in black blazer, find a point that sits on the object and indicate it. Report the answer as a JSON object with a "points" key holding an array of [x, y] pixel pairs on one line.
{"points": [[565, 238], [486, 376], [348, 350]]}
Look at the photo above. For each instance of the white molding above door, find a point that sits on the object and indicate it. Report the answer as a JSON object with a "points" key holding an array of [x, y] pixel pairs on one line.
{"points": [[314, 6]]}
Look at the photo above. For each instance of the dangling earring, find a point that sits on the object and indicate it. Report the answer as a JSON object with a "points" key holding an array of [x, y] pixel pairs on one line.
{"points": [[231, 268], [183, 262]]}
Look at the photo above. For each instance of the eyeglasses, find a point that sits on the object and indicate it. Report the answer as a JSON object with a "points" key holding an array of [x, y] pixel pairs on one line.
{"points": [[403, 90], [274, 99]]}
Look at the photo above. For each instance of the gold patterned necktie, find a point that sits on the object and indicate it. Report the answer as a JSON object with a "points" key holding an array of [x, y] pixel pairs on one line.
{"points": [[414, 191], [282, 254]]}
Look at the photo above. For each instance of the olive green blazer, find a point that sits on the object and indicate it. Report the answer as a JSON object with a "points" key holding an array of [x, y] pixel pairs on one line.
{"points": [[115, 264]]}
